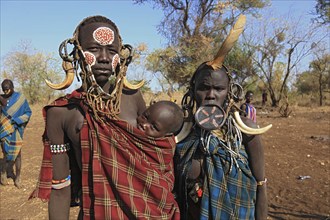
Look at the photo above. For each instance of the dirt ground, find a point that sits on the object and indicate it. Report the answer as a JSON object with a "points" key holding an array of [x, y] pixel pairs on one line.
{"points": [[296, 146]]}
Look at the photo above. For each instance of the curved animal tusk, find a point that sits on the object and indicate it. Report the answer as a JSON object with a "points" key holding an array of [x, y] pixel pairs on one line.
{"points": [[128, 85], [185, 130], [245, 129], [229, 42], [69, 70]]}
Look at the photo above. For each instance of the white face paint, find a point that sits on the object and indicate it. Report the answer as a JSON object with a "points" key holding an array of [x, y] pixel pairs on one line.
{"points": [[115, 61], [104, 36], [90, 58]]}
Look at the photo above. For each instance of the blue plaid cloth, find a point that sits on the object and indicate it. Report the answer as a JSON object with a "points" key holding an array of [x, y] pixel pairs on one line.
{"points": [[229, 188], [14, 118]]}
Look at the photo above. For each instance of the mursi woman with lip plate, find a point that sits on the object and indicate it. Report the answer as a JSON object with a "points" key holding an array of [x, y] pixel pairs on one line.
{"points": [[219, 159]]}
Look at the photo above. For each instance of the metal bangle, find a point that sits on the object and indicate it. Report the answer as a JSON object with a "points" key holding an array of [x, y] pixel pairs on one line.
{"points": [[262, 182]]}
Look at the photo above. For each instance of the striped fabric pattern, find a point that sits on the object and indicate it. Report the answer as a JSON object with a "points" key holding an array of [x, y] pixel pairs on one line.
{"points": [[14, 118], [251, 112], [229, 190], [6, 128], [125, 175]]}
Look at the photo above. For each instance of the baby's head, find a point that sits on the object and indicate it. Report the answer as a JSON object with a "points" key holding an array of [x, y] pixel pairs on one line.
{"points": [[161, 119]]}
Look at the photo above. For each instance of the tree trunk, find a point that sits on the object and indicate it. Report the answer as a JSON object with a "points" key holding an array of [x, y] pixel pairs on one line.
{"points": [[320, 89], [273, 98], [288, 70]]}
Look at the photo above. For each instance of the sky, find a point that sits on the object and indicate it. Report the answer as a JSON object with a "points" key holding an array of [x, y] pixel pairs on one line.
{"points": [[45, 23]]}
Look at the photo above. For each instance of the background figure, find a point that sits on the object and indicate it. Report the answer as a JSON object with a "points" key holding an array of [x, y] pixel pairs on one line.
{"points": [[92, 140], [248, 108], [15, 114], [264, 98]]}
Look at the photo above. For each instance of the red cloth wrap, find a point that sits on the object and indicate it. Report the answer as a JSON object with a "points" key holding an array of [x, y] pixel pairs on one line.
{"points": [[125, 175]]}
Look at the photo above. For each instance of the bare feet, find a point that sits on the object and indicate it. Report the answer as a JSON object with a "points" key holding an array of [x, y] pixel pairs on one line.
{"points": [[4, 180], [11, 175], [17, 182]]}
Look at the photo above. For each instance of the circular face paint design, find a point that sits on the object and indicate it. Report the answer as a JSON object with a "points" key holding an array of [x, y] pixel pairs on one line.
{"points": [[90, 58], [104, 35], [210, 117], [115, 61]]}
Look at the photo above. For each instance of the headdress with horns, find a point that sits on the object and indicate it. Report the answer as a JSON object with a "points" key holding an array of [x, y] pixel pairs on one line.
{"points": [[215, 64], [69, 59], [97, 98]]}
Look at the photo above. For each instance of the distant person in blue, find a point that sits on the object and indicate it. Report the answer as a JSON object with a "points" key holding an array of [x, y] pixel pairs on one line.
{"points": [[14, 115], [248, 108]]}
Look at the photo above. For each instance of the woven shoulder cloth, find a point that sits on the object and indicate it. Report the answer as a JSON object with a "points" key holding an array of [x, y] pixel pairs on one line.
{"points": [[229, 188]]}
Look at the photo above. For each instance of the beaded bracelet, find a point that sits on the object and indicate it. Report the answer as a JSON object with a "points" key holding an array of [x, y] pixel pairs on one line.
{"points": [[62, 180], [59, 148], [60, 184], [262, 182]]}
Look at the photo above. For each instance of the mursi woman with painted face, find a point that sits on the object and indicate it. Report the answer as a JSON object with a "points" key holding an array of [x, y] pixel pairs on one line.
{"points": [[219, 159], [94, 154]]}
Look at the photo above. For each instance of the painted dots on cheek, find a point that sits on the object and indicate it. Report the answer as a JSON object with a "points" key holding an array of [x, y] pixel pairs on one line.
{"points": [[104, 35], [90, 58], [115, 61]]}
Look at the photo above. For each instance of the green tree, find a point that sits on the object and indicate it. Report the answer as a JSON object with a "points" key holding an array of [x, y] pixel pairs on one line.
{"points": [[280, 41], [241, 65], [306, 83], [322, 11], [28, 69], [320, 69], [194, 31]]}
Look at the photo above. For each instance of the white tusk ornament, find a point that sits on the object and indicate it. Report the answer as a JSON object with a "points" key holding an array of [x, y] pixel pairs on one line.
{"points": [[247, 130], [185, 130], [128, 85], [69, 70]]}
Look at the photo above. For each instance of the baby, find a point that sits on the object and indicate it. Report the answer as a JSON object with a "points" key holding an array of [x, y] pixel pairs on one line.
{"points": [[161, 119]]}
